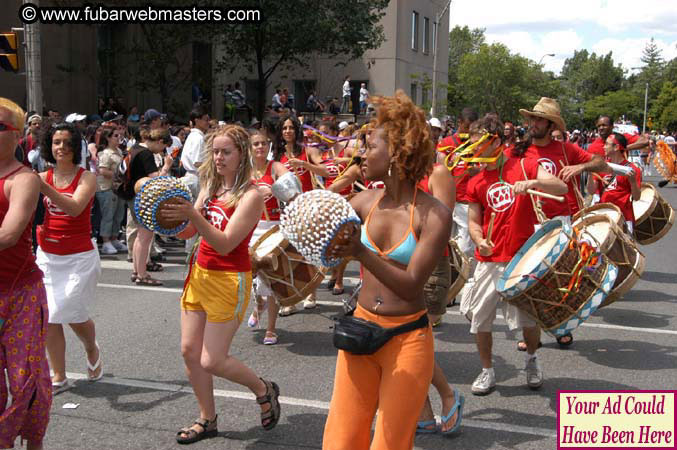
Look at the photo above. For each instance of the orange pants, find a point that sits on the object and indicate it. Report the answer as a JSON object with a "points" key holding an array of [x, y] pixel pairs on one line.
{"points": [[395, 380]]}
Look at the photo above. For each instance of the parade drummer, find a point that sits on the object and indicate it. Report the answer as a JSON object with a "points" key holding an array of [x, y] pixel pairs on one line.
{"points": [[403, 237], [561, 159], [621, 190], [497, 203], [217, 290], [264, 175], [23, 331]]}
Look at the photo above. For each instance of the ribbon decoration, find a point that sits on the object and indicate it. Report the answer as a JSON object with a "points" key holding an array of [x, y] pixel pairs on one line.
{"points": [[470, 152]]}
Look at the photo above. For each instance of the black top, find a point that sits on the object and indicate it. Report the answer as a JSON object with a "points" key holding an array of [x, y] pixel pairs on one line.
{"points": [[143, 163]]}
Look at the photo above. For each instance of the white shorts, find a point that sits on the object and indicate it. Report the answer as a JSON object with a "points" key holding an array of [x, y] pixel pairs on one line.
{"points": [[480, 301], [70, 283]]}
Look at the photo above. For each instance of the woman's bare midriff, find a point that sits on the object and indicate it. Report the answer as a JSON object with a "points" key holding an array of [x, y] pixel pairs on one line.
{"points": [[377, 298]]}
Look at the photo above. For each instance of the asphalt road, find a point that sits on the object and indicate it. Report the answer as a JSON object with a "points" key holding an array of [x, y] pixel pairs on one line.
{"points": [[144, 397]]}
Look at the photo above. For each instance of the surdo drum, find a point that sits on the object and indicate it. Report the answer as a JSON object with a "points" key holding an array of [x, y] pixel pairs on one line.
{"points": [[153, 194], [460, 270], [556, 279], [290, 276], [312, 224], [617, 246], [653, 215]]}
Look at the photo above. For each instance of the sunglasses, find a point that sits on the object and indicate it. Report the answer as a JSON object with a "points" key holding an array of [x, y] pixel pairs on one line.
{"points": [[4, 126]]}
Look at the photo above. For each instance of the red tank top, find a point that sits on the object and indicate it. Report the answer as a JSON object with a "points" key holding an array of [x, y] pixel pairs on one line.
{"points": [[334, 170], [303, 174], [272, 205], [235, 261], [17, 263], [61, 234]]}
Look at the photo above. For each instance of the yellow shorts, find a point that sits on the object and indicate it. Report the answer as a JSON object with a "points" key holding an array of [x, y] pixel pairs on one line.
{"points": [[222, 295]]}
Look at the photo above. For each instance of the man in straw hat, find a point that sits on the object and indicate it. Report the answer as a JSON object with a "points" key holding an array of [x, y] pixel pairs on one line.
{"points": [[562, 159]]}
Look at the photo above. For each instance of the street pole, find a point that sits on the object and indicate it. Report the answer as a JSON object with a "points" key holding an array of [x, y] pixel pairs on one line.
{"points": [[438, 17], [33, 67], [646, 98]]}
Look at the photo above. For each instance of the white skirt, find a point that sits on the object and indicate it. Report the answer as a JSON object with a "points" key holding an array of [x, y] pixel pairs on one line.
{"points": [[260, 286], [70, 282]]}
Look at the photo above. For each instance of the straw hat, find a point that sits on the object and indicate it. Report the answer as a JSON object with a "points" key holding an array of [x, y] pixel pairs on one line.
{"points": [[547, 108]]}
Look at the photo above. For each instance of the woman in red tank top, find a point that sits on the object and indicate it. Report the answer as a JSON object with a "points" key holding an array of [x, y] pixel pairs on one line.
{"points": [[65, 252], [22, 330], [306, 163], [217, 289], [265, 174]]}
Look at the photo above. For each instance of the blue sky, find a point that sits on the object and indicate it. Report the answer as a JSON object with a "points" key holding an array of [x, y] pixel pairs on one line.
{"points": [[535, 28]]}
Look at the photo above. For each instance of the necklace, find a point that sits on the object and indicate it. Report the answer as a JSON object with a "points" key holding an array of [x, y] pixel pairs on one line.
{"points": [[223, 191], [63, 180]]}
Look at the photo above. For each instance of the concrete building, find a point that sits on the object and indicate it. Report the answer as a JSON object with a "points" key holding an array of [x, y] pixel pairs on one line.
{"points": [[82, 63], [404, 61]]}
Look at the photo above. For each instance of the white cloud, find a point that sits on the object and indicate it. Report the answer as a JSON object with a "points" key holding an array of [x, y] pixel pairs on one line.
{"points": [[534, 28]]}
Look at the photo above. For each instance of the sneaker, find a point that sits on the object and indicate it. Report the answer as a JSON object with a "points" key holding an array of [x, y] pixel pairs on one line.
{"points": [[484, 383], [534, 373], [108, 249], [310, 303], [663, 183], [119, 246], [287, 310]]}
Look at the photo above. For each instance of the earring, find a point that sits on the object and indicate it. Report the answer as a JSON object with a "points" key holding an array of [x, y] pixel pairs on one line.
{"points": [[390, 168]]}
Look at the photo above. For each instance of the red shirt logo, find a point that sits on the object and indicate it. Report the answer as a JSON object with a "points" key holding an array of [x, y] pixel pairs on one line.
{"points": [[53, 208], [500, 196], [216, 217], [548, 165]]}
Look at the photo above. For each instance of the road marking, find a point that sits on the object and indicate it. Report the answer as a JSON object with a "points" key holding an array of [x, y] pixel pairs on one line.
{"points": [[119, 264], [317, 404], [453, 313]]}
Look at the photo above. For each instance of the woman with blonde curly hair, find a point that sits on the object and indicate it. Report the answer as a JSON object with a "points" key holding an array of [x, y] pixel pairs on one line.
{"points": [[403, 236], [218, 286]]}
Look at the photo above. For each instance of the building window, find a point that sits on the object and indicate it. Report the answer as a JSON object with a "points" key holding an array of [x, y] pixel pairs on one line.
{"points": [[413, 93], [434, 37], [414, 31], [424, 96], [426, 35]]}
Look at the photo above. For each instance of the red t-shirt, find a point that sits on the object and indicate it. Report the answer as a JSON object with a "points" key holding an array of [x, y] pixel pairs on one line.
{"points": [[334, 171], [272, 205], [446, 146], [61, 234], [17, 263], [596, 147], [235, 261], [515, 216], [552, 158], [302, 173], [618, 191]]}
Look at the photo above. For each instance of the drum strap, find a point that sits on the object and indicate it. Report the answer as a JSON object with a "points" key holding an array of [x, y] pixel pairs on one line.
{"points": [[540, 215], [579, 197]]}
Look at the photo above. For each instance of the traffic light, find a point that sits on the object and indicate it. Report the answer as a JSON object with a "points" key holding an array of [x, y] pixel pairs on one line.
{"points": [[9, 59]]}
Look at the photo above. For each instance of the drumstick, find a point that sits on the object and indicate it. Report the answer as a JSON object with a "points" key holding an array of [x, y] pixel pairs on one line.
{"points": [[545, 195], [360, 185], [491, 227]]}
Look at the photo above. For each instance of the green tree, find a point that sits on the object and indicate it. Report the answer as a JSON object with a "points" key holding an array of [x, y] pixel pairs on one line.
{"points": [[664, 108], [615, 104], [495, 80], [462, 41], [652, 71], [288, 35]]}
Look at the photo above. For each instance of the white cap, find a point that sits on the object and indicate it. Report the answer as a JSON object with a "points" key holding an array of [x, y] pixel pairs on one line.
{"points": [[75, 117], [435, 123], [343, 125]]}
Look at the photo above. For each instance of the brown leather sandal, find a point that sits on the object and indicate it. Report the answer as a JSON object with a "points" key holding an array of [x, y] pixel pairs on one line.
{"points": [[270, 418], [188, 435]]}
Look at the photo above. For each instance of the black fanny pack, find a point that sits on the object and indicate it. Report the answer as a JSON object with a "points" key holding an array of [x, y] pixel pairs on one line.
{"points": [[361, 337]]}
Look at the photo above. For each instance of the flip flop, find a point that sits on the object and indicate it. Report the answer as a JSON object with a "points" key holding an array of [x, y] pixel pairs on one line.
{"points": [[337, 291], [460, 401], [60, 386], [423, 427], [95, 366]]}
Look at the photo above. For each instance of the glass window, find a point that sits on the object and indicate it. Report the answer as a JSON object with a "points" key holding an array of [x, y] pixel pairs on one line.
{"points": [[426, 35], [414, 31], [434, 37], [414, 88]]}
